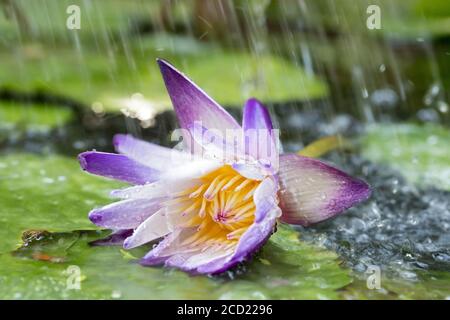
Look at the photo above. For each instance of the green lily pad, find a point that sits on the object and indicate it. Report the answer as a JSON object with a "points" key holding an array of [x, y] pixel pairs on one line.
{"points": [[110, 83], [35, 117], [430, 284], [285, 268], [104, 64], [45, 20], [420, 152], [50, 193], [399, 19]]}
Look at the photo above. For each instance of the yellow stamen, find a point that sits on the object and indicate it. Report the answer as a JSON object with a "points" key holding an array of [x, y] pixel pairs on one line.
{"points": [[220, 209]]}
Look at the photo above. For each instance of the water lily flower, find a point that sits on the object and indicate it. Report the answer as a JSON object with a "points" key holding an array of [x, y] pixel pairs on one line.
{"points": [[215, 203]]}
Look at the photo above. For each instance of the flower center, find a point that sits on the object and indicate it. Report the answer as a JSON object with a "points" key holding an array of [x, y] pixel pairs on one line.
{"points": [[220, 209]]}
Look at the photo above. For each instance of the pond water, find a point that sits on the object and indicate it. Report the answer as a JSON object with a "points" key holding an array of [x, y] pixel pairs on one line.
{"points": [[321, 71]]}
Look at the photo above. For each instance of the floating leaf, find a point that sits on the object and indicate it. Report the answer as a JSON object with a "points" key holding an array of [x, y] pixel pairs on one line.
{"points": [[228, 77], [47, 192], [420, 152], [32, 117], [285, 268]]}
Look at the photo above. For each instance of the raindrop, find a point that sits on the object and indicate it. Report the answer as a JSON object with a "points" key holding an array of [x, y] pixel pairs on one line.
{"points": [[431, 94], [442, 106], [384, 98], [432, 140], [97, 107], [79, 145], [116, 294], [48, 180], [428, 115], [408, 275]]}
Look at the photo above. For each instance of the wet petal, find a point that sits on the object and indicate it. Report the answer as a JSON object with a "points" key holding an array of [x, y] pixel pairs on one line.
{"points": [[193, 261], [215, 145], [171, 254], [256, 116], [168, 247], [127, 214], [312, 191], [260, 139], [149, 154], [192, 104], [154, 227], [249, 171], [157, 190], [191, 170], [117, 166]]}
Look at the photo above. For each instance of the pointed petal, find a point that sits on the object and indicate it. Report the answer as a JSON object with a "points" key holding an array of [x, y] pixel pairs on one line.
{"points": [[149, 154], [192, 261], [192, 104], [127, 214], [167, 247], [256, 116], [171, 254], [191, 170], [154, 227], [312, 191], [157, 190], [253, 172], [261, 141], [116, 166]]}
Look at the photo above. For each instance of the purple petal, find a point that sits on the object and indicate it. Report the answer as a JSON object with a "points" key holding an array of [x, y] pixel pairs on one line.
{"points": [[215, 145], [166, 248], [170, 253], [261, 142], [192, 104], [157, 191], [312, 191], [116, 166], [126, 214], [253, 172], [154, 227], [193, 262], [114, 239], [191, 170], [256, 116], [149, 154]]}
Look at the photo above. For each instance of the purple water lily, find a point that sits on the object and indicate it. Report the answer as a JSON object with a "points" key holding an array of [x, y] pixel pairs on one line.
{"points": [[218, 201]]}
